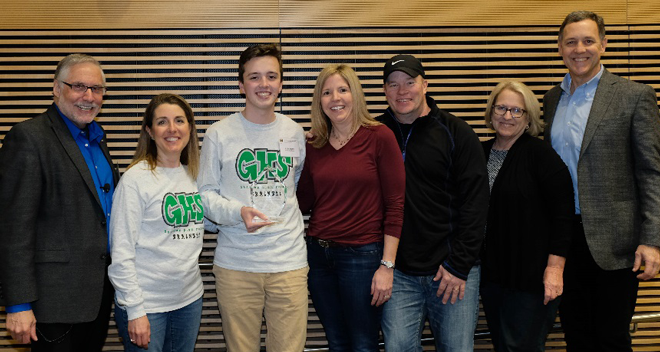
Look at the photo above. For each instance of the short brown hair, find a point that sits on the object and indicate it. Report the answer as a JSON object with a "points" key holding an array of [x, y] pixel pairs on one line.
{"points": [[577, 16], [259, 50]]}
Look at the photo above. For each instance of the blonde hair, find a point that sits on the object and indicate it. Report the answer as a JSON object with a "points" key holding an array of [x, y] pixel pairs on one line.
{"points": [[146, 147], [321, 125], [532, 106]]}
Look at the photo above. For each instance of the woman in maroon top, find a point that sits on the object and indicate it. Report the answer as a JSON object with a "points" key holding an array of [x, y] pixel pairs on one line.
{"points": [[353, 184]]}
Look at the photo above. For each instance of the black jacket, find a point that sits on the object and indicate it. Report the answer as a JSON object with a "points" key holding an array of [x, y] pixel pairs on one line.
{"points": [[53, 237], [446, 193], [530, 216]]}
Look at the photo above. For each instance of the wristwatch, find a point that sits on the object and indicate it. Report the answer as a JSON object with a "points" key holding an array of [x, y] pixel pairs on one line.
{"points": [[388, 264]]}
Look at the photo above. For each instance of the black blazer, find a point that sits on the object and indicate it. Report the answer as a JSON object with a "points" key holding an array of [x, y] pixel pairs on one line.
{"points": [[53, 237]]}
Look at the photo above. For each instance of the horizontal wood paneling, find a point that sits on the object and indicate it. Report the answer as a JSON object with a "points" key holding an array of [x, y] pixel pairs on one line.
{"points": [[394, 13], [80, 14], [643, 12]]}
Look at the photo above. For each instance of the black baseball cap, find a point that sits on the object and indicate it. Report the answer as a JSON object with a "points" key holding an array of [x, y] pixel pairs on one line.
{"points": [[404, 63]]}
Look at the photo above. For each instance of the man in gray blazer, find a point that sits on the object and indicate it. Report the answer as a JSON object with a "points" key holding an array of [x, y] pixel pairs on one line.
{"points": [[607, 130], [56, 184]]}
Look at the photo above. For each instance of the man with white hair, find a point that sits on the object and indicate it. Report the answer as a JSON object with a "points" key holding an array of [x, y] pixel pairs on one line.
{"points": [[56, 186]]}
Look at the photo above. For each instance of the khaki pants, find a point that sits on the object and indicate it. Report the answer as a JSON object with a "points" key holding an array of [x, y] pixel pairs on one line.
{"points": [[244, 297]]}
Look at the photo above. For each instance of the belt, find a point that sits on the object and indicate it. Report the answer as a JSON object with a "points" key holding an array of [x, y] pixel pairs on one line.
{"points": [[325, 243]]}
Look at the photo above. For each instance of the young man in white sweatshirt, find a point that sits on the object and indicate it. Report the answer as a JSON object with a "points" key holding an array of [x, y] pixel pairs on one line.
{"points": [[250, 165]]}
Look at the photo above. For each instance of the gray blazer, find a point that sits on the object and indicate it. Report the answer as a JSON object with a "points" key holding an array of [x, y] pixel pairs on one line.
{"points": [[618, 169], [53, 237]]}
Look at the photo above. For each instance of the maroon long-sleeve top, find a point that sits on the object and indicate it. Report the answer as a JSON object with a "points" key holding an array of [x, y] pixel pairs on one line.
{"points": [[355, 194]]}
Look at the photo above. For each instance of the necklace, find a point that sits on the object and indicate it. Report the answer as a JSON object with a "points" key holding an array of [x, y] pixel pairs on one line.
{"points": [[342, 142]]}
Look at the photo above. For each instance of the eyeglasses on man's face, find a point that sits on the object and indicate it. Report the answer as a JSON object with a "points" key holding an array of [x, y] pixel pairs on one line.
{"points": [[82, 89]]}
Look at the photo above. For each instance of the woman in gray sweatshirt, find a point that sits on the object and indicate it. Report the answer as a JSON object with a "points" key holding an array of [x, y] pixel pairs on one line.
{"points": [[156, 230]]}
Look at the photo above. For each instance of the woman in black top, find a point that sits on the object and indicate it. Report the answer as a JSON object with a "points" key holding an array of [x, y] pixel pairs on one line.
{"points": [[529, 223]]}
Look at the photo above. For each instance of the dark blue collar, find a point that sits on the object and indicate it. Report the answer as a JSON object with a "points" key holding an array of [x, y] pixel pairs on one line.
{"points": [[94, 131]]}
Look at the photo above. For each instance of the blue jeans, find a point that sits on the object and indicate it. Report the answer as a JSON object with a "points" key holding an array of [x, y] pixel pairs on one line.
{"points": [[174, 331], [517, 320], [340, 284], [414, 299]]}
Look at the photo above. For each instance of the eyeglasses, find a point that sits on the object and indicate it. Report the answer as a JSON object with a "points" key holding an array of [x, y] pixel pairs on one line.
{"points": [[500, 110], [82, 89]]}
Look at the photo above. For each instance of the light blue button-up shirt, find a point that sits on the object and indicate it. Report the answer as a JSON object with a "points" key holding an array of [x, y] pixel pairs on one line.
{"points": [[569, 123]]}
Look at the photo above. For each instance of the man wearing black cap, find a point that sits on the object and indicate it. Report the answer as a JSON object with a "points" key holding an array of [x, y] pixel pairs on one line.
{"points": [[445, 211]]}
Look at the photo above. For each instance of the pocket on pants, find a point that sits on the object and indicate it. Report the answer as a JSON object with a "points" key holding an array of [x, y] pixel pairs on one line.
{"points": [[53, 333], [368, 249]]}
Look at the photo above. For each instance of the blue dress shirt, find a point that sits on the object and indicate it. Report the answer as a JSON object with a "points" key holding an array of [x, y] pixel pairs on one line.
{"points": [[569, 123]]}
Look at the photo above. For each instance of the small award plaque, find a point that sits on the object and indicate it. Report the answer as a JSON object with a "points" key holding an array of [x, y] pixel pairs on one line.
{"points": [[269, 195]]}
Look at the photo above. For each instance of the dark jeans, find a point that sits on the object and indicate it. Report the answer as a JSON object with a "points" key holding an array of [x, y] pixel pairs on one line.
{"points": [[597, 305], [517, 320], [80, 337], [340, 284]]}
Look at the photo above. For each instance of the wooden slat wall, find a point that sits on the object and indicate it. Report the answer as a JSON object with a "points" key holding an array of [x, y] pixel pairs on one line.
{"points": [[120, 14], [148, 47]]}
